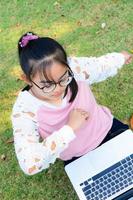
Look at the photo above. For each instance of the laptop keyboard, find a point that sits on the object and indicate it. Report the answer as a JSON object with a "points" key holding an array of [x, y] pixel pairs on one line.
{"points": [[109, 181]]}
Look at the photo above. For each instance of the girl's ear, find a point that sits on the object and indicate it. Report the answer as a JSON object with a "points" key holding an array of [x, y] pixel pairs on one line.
{"points": [[25, 79]]}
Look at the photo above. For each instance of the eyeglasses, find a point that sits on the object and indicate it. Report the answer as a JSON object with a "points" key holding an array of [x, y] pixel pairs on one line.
{"points": [[50, 86]]}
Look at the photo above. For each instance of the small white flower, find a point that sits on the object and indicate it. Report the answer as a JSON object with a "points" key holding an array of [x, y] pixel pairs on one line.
{"points": [[56, 3], [103, 25]]}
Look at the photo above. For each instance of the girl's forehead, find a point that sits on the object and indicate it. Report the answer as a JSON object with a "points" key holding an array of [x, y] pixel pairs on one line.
{"points": [[56, 69], [53, 72]]}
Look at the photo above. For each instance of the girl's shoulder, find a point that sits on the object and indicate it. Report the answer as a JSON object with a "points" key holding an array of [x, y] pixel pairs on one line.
{"points": [[83, 88], [25, 101]]}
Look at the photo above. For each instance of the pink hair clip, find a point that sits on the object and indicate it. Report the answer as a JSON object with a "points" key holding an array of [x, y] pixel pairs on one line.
{"points": [[27, 38]]}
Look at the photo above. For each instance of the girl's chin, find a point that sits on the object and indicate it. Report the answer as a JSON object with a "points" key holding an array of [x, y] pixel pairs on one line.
{"points": [[57, 95]]}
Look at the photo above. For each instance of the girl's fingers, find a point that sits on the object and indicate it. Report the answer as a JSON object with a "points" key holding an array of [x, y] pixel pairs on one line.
{"points": [[129, 60], [79, 109], [85, 115]]}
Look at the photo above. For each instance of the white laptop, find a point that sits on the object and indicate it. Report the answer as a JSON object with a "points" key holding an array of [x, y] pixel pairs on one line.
{"points": [[105, 173]]}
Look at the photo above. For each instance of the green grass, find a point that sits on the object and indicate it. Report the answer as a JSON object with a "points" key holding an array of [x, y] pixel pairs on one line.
{"points": [[77, 25]]}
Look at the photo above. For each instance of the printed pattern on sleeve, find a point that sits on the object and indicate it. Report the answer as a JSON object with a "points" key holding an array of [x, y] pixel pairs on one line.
{"points": [[94, 69]]}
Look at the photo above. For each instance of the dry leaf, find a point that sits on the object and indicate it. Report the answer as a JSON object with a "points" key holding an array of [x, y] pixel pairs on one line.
{"points": [[10, 140], [79, 23], [131, 51], [3, 157]]}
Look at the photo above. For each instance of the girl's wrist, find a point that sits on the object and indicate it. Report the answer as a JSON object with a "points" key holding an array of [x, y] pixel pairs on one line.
{"points": [[127, 57]]}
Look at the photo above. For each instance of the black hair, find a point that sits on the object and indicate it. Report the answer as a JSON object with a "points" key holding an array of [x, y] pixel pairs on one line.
{"points": [[40, 53]]}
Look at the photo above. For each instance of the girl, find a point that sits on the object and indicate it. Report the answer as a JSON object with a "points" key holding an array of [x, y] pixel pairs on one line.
{"points": [[56, 114]]}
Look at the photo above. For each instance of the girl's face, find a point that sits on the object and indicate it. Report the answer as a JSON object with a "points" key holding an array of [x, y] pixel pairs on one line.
{"points": [[57, 72]]}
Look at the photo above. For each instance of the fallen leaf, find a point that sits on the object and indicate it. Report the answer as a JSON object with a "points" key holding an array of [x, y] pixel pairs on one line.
{"points": [[10, 140], [3, 157], [79, 23], [131, 51]]}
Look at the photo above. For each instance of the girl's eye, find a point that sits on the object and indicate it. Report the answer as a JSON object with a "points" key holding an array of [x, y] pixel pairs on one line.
{"points": [[64, 79], [47, 85]]}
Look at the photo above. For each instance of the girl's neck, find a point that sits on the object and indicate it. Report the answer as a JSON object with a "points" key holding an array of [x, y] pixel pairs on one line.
{"points": [[53, 102]]}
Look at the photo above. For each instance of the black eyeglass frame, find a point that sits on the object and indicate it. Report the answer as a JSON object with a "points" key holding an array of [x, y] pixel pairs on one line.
{"points": [[56, 83]]}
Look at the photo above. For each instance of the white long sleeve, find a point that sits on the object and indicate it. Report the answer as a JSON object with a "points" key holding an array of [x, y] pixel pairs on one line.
{"points": [[93, 70], [33, 155]]}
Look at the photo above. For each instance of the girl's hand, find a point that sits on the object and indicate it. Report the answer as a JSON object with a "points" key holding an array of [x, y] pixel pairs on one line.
{"points": [[128, 57], [77, 118]]}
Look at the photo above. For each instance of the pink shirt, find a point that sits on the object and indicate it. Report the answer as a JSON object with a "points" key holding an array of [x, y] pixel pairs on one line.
{"points": [[90, 135]]}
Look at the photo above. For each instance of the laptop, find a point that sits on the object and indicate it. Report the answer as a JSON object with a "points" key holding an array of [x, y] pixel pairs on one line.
{"points": [[105, 173]]}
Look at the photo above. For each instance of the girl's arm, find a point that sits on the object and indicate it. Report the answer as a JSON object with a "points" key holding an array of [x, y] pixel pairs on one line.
{"points": [[33, 155], [92, 69]]}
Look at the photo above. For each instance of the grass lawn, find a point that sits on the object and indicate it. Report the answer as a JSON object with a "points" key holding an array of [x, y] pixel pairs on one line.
{"points": [[77, 25]]}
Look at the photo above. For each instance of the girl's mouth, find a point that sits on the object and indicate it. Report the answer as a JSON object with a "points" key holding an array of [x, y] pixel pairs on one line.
{"points": [[57, 94]]}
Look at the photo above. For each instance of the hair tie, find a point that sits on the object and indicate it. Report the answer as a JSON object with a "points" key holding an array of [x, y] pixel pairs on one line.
{"points": [[25, 39]]}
